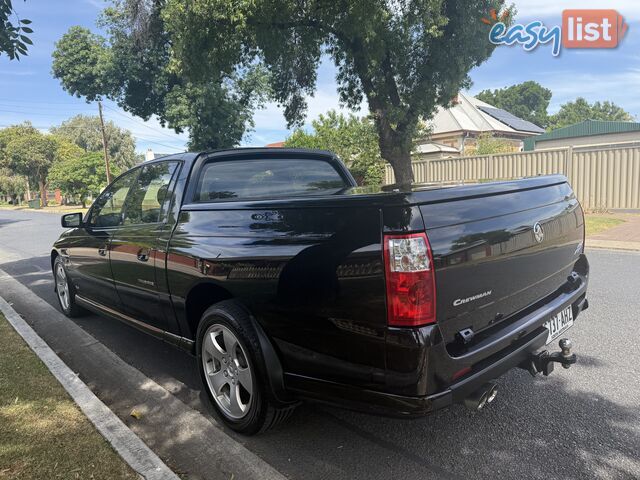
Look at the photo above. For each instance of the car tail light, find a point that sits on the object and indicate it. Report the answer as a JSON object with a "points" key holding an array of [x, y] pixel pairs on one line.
{"points": [[411, 286]]}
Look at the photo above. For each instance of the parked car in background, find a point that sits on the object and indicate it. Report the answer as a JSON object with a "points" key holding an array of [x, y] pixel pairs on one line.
{"points": [[288, 282]]}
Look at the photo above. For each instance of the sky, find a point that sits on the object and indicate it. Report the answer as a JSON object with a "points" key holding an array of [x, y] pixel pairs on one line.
{"points": [[29, 92]]}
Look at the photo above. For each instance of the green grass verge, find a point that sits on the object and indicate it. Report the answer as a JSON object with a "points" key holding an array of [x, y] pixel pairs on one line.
{"points": [[597, 224], [43, 433]]}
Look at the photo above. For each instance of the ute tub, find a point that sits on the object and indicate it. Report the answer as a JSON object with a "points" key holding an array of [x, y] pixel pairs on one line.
{"points": [[500, 254]]}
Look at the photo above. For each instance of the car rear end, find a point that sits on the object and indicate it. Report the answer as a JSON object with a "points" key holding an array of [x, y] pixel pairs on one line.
{"points": [[486, 278]]}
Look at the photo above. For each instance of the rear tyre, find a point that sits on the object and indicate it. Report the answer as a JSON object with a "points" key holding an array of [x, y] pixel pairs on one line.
{"points": [[65, 291], [233, 372]]}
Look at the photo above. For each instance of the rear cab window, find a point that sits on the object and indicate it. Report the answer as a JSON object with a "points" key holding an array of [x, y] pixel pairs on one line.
{"points": [[254, 178]]}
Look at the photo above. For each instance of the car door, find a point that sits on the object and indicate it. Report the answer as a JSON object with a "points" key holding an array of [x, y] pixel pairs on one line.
{"points": [[135, 258], [88, 251]]}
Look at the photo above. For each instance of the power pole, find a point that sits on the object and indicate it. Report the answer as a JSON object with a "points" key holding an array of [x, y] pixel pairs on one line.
{"points": [[104, 144]]}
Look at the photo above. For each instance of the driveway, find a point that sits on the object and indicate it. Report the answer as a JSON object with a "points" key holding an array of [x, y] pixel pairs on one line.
{"points": [[578, 423]]}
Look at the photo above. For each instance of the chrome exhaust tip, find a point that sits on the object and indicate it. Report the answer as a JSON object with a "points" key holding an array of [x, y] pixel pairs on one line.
{"points": [[481, 397], [492, 393]]}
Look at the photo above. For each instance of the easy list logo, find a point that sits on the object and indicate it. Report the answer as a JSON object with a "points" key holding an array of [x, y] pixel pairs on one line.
{"points": [[580, 29]]}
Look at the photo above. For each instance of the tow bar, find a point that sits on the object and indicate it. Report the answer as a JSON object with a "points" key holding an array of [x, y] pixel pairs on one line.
{"points": [[542, 362]]}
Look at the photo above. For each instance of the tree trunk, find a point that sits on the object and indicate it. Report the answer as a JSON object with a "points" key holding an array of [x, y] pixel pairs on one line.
{"points": [[401, 163], [43, 193], [395, 148]]}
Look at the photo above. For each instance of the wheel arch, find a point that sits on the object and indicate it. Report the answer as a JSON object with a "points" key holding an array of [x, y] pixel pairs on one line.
{"points": [[54, 254], [200, 297], [206, 294]]}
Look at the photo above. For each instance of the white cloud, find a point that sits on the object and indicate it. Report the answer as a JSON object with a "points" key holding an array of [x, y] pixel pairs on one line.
{"points": [[554, 8], [99, 4], [615, 87]]}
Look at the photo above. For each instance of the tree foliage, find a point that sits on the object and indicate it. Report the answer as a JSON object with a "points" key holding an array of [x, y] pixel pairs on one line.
{"points": [[26, 153], [581, 110], [135, 68], [85, 132], [82, 62], [14, 31], [80, 176], [32, 155], [12, 185], [353, 139], [405, 58], [528, 100]]}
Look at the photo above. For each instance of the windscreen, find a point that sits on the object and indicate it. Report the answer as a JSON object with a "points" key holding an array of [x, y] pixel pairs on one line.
{"points": [[267, 178]]}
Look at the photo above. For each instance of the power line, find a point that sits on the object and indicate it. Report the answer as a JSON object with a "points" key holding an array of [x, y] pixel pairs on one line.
{"points": [[27, 113], [139, 122], [39, 102], [138, 137], [74, 106], [48, 107]]}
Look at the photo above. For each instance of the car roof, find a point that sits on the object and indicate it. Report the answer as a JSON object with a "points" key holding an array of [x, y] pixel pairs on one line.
{"points": [[190, 157]]}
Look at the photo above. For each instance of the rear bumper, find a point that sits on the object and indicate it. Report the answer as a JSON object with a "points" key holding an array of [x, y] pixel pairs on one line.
{"points": [[524, 342]]}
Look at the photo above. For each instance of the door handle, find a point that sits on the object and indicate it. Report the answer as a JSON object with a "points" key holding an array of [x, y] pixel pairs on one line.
{"points": [[143, 254], [102, 251]]}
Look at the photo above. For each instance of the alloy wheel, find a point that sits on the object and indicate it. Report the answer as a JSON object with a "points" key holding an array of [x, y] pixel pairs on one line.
{"points": [[227, 371], [62, 286]]}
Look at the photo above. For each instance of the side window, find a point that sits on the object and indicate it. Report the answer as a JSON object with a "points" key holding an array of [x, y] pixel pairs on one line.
{"points": [[268, 177], [107, 209], [149, 193]]}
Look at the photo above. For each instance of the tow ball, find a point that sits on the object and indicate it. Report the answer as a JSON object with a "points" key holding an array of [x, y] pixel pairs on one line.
{"points": [[542, 362]]}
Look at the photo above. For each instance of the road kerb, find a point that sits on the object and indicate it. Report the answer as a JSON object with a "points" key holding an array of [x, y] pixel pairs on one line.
{"points": [[613, 245], [189, 441], [128, 445]]}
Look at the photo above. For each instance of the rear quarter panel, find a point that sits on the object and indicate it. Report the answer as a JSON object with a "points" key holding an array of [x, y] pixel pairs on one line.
{"points": [[310, 273]]}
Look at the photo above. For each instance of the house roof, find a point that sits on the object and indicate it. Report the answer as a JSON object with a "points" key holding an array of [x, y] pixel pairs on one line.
{"points": [[473, 115], [587, 128], [434, 147]]}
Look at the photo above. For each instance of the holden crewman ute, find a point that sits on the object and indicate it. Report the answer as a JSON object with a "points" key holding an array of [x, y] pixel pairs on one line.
{"points": [[288, 282]]}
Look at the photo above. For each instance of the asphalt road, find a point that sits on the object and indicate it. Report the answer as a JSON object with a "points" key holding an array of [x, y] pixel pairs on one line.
{"points": [[576, 424]]}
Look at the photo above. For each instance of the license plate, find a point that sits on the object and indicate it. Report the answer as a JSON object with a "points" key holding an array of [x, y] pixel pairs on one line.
{"points": [[559, 324]]}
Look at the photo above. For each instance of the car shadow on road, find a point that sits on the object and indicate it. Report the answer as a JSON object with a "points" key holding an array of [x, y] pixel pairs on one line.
{"points": [[536, 428], [8, 221]]}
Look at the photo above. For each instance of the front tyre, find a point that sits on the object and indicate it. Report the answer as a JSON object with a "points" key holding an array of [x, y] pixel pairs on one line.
{"points": [[64, 290], [232, 369]]}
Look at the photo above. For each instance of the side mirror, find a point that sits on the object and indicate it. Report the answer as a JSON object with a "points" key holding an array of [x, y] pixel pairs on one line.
{"points": [[71, 220]]}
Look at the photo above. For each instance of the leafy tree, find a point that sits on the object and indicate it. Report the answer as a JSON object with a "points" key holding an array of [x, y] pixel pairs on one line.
{"points": [[354, 140], [135, 68], [406, 57], [12, 185], [11, 133], [581, 110], [85, 132], [32, 155], [6, 136], [528, 100], [13, 33], [82, 62], [81, 175]]}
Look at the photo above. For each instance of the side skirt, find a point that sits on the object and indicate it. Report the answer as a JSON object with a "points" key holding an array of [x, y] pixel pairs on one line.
{"points": [[181, 342]]}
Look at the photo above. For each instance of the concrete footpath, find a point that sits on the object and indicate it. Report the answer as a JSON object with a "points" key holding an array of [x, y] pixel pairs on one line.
{"points": [[625, 236], [191, 444]]}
